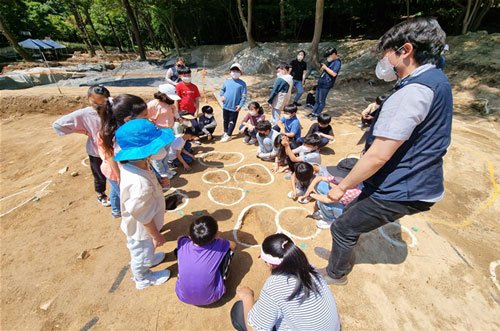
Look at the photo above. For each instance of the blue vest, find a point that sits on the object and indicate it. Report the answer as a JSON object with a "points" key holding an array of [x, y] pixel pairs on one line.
{"points": [[175, 75], [415, 171]]}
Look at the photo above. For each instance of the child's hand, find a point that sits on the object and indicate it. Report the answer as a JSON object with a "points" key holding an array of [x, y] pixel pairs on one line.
{"points": [[209, 137], [294, 195], [285, 142], [238, 108], [159, 240], [187, 167], [276, 167], [323, 66], [165, 182], [223, 99]]}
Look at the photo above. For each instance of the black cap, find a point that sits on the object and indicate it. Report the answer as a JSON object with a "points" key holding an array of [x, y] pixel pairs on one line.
{"points": [[343, 167]]}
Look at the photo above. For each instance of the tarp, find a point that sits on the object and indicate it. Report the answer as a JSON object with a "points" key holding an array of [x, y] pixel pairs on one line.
{"points": [[34, 44], [52, 43]]}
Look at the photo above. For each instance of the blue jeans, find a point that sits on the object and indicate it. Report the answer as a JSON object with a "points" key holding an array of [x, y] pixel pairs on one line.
{"points": [[252, 134], [329, 211], [114, 196], [321, 94], [324, 141], [300, 90]]}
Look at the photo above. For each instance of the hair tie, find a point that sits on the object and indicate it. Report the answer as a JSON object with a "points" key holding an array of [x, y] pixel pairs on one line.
{"points": [[284, 243], [269, 258], [110, 100]]}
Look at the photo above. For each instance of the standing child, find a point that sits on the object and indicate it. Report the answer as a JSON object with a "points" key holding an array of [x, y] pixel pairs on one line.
{"points": [[282, 89], [233, 95], [180, 150], [323, 129], [247, 127], [207, 122], [161, 111], [203, 260], [189, 94], [142, 201], [87, 121], [310, 99]]}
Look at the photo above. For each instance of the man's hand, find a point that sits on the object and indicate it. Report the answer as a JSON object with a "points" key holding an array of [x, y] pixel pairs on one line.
{"points": [[336, 193]]}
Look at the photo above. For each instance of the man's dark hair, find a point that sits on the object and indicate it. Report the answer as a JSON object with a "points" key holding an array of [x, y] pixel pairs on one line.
{"points": [[329, 51], [312, 140], [183, 70], [291, 108], [425, 34], [203, 230], [304, 171], [324, 118], [263, 126], [283, 65]]}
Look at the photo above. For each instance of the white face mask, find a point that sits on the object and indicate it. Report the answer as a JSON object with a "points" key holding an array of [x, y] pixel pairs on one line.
{"points": [[300, 57], [253, 113], [287, 117], [186, 79], [235, 74], [160, 155], [209, 115], [186, 123], [306, 149], [279, 74], [329, 59], [385, 70]]}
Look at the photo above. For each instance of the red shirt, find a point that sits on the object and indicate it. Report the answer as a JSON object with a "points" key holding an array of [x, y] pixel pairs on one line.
{"points": [[188, 95]]}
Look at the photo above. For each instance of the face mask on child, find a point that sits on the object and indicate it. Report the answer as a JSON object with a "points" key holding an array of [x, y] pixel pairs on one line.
{"points": [[253, 113], [279, 74], [186, 79], [186, 123], [235, 74], [306, 149], [209, 115], [160, 155], [287, 116], [262, 134]]}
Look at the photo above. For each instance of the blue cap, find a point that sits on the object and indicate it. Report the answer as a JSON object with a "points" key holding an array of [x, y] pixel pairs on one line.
{"points": [[139, 139]]}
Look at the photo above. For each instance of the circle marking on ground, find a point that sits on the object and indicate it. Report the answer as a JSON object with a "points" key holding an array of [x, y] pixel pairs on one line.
{"points": [[44, 185], [214, 171], [250, 182], [280, 229], [240, 221], [210, 196], [414, 240], [223, 165], [85, 163], [176, 192]]}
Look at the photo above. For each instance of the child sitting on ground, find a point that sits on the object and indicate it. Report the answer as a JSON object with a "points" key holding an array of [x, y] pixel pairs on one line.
{"points": [[247, 127], [207, 122], [280, 153], [368, 113], [142, 201], [308, 152], [323, 129], [310, 99], [203, 260], [302, 177], [182, 121], [266, 137], [326, 211], [180, 150], [289, 125]]}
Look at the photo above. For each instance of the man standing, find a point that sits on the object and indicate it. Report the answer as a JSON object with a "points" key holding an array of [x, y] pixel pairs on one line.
{"points": [[402, 167]]}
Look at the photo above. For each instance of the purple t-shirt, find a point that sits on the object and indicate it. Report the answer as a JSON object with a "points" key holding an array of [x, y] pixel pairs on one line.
{"points": [[199, 281]]}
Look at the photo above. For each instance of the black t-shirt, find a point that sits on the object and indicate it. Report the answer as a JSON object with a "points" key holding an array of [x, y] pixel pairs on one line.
{"points": [[315, 128], [298, 69]]}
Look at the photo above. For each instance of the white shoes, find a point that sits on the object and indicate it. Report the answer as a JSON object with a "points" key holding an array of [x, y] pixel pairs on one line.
{"points": [[225, 138], [155, 278], [252, 141], [323, 225]]}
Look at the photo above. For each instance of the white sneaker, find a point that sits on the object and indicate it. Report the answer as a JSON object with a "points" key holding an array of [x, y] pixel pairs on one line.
{"points": [[156, 278], [290, 194], [196, 142], [171, 173], [252, 141], [158, 258], [317, 215], [246, 139], [225, 138], [323, 225]]}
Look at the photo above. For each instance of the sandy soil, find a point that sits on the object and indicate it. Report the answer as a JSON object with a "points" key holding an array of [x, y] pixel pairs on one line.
{"points": [[432, 273]]}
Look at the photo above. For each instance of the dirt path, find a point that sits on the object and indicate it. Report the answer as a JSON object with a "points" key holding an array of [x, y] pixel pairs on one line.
{"points": [[433, 272]]}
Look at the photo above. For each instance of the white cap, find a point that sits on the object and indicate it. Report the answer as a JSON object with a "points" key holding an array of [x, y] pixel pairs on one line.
{"points": [[446, 47], [236, 65], [169, 90]]}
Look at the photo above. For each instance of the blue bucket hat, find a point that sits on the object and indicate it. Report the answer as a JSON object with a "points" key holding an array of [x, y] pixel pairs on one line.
{"points": [[139, 139]]}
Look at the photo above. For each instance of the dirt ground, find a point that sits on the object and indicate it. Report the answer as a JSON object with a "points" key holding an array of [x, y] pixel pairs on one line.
{"points": [[435, 271]]}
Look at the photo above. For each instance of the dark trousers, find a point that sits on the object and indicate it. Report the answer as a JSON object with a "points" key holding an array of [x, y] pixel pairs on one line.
{"points": [[238, 317], [99, 178], [230, 119], [363, 215]]}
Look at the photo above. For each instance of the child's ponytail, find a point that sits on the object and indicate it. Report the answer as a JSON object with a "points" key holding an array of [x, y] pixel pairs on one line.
{"points": [[108, 127]]}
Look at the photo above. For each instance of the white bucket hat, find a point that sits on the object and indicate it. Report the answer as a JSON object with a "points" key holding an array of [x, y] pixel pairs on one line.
{"points": [[169, 90]]}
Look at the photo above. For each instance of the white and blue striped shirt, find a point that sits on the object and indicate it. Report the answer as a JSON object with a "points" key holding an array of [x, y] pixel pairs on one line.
{"points": [[318, 312]]}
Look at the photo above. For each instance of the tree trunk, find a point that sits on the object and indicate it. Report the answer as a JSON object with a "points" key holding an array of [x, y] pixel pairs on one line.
{"points": [[318, 27], [172, 36], [131, 39], [469, 15], [11, 40], [282, 17], [147, 20], [178, 34], [89, 21], [479, 18], [135, 27], [247, 25], [115, 36], [407, 9], [83, 29]]}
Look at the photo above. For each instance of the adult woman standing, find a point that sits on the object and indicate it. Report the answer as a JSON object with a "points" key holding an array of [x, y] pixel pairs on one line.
{"points": [[172, 76], [294, 297], [299, 68]]}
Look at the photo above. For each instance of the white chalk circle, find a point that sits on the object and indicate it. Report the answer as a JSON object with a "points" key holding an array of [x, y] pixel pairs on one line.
{"points": [[280, 229], [186, 201], [85, 163], [200, 159], [254, 165], [215, 171], [413, 243], [237, 226], [493, 266], [210, 196], [37, 194]]}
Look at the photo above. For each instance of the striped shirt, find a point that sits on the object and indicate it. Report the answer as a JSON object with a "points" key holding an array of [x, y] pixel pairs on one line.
{"points": [[318, 312]]}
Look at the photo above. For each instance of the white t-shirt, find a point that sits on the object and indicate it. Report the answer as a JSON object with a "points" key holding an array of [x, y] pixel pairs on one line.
{"points": [[141, 201], [177, 145], [317, 312]]}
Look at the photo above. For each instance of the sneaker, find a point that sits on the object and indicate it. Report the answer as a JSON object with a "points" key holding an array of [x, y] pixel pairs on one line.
{"points": [[297, 104], [103, 200], [155, 278], [116, 213], [159, 257], [304, 200], [196, 142], [290, 194], [330, 280], [317, 215], [308, 106], [323, 224], [288, 176], [361, 125], [252, 141], [225, 138], [171, 173], [246, 139]]}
